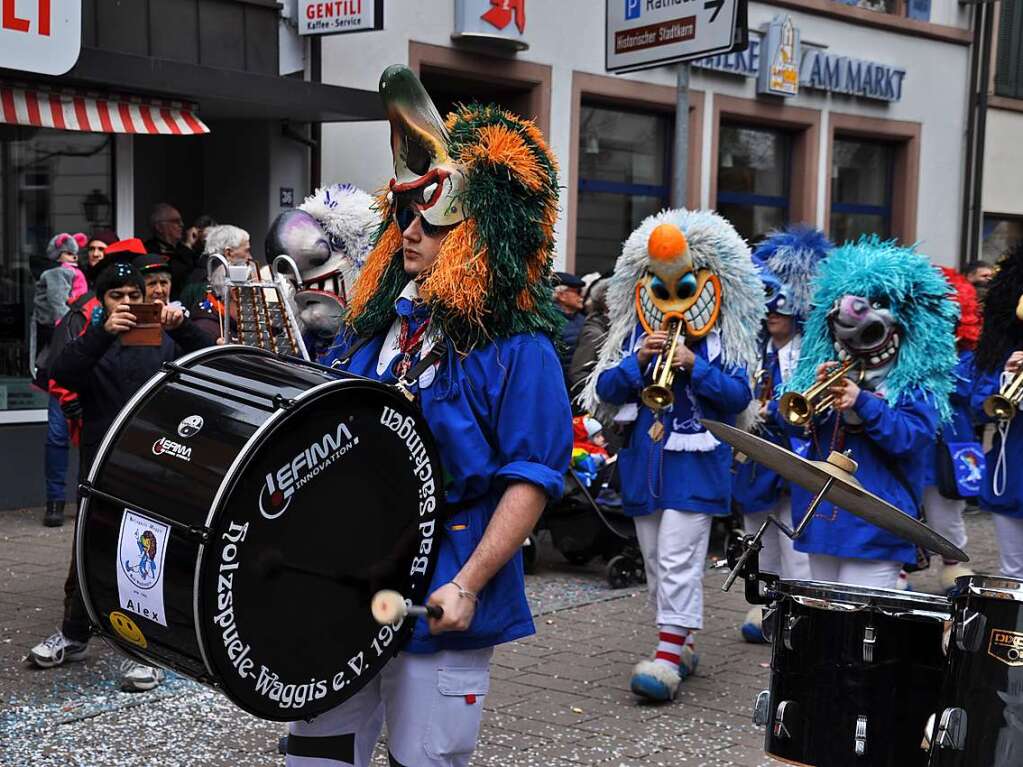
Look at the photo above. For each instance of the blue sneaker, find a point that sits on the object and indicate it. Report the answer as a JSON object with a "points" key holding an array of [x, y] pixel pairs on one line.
{"points": [[659, 681], [752, 627]]}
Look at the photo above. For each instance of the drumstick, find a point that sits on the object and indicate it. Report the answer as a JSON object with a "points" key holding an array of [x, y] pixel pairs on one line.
{"points": [[389, 607]]}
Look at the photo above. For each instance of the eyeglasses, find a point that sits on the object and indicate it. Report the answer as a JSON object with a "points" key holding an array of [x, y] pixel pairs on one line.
{"points": [[404, 216]]}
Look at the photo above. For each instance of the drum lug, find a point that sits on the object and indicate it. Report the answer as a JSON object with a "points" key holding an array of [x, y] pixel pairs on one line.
{"points": [[786, 633], [869, 642], [952, 729], [283, 403], [861, 736], [762, 708], [970, 630], [783, 720]]}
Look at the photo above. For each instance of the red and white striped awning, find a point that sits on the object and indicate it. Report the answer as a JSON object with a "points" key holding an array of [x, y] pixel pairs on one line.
{"points": [[65, 110]]}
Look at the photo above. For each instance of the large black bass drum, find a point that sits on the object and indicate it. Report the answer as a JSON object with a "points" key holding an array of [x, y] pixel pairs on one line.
{"points": [[239, 516], [980, 719], [855, 674]]}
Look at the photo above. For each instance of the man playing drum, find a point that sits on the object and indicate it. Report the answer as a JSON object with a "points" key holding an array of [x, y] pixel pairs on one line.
{"points": [[456, 295]]}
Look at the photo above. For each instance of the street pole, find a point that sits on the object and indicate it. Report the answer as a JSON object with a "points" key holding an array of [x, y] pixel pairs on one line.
{"points": [[680, 170]]}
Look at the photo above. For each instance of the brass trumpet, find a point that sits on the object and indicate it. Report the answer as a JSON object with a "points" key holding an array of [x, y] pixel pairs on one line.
{"points": [[1003, 406], [799, 407], [658, 395]]}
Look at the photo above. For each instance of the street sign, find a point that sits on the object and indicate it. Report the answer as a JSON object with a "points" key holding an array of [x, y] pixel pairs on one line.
{"points": [[337, 17], [642, 34], [43, 36]]}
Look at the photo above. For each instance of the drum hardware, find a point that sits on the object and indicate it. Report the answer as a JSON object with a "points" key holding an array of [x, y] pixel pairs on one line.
{"points": [[791, 621], [952, 730], [860, 741], [278, 401], [762, 708], [784, 719], [798, 408], [1003, 406], [658, 396], [390, 607], [869, 641], [970, 630], [87, 490]]}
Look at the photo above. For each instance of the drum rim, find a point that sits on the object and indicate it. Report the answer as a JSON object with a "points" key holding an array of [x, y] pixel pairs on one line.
{"points": [[865, 596], [991, 586]]}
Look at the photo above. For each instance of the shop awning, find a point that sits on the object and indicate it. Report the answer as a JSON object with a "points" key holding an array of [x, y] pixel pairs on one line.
{"points": [[66, 110]]}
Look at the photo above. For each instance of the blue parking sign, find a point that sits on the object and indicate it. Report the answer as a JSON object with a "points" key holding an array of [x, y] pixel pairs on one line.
{"points": [[632, 9]]}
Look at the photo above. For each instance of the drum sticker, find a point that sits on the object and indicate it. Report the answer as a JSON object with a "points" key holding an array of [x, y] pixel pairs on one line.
{"points": [[1006, 646], [167, 446], [141, 549], [190, 426], [126, 628]]}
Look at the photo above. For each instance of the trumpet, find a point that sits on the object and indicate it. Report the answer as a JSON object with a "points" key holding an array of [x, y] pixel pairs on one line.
{"points": [[658, 395], [799, 407], [1003, 406]]}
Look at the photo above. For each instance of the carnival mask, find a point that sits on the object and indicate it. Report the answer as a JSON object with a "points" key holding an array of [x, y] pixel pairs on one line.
{"points": [[297, 234], [867, 331], [673, 289], [427, 181], [776, 297]]}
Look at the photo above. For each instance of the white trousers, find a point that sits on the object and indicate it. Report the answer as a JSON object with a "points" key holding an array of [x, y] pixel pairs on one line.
{"points": [[871, 573], [432, 705], [779, 555], [1010, 544], [674, 545], [945, 516]]}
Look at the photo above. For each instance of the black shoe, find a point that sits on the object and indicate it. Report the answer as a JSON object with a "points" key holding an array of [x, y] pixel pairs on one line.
{"points": [[54, 516]]}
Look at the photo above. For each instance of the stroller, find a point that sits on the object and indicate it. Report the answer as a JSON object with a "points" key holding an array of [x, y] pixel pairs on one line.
{"points": [[583, 527]]}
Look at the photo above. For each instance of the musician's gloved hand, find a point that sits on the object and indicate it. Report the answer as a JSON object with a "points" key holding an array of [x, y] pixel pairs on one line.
{"points": [[72, 408], [1014, 363], [458, 610], [846, 392]]}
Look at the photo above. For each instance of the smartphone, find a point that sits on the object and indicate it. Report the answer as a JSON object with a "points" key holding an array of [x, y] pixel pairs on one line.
{"points": [[147, 330]]}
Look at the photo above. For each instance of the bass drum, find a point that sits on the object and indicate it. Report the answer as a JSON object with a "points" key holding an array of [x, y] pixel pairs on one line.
{"points": [[239, 516], [980, 718], [855, 674]]}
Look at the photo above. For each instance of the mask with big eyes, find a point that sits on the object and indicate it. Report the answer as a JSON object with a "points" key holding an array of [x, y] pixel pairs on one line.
{"points": [[865, 329], [673, 289]]}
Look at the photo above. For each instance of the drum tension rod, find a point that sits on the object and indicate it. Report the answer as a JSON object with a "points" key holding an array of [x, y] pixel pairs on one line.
{"points": [[87, 490], [279, 400]]}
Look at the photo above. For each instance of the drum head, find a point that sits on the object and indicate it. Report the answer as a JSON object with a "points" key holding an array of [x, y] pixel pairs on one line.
{"points": [[337, 498], [843, 596]]}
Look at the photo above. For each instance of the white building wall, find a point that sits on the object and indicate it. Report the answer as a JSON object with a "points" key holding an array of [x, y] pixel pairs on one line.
{"points": [[1003, 163], [568, 35]]}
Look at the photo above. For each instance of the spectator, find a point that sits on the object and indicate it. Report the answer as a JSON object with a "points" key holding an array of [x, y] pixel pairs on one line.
{"points": [[106, 374], [229, 241], [195, 235], [95, 248], [168, 228], [979, 273], [156, 273], [591, 337], [234, 244], [568, 295]]}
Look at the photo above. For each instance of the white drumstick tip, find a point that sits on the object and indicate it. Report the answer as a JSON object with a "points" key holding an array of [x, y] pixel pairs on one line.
{"points": [[388, 607]]}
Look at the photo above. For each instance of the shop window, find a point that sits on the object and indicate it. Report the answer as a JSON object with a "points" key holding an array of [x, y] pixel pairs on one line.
{"points": [[861, 189], [754, 168], [1009, 61], [624, 176], [913, 9], [50, 182], [1001, 233]]}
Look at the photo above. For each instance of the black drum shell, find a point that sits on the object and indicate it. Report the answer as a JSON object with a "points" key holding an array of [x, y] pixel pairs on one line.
{"points": [[822, 673], [256, 408], [982, 681]]}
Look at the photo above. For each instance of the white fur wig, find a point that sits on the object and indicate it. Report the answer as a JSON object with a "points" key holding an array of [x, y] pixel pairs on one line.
{"points": [[347, 216], [713, 245]]}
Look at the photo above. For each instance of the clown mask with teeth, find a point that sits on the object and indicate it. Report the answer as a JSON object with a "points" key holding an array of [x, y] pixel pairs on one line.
{"points": [[866, 331], [672, 289]]}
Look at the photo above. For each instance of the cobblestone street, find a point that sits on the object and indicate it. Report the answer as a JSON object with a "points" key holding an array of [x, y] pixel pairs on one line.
{"points": [[558, 698]]}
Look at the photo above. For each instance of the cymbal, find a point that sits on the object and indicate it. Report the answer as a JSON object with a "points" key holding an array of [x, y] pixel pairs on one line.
{"points": [[846, 492]]}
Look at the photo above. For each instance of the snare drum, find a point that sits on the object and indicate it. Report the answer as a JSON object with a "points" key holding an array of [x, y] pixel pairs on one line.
{"points": [[980, 717], [855, 674], [239, 516]]}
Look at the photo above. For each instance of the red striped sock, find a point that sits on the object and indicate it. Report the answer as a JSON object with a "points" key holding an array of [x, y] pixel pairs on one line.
{"points": [[670, 641]]}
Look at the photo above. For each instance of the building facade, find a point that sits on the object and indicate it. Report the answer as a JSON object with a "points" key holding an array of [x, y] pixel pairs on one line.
{"points": [[870, 138]]}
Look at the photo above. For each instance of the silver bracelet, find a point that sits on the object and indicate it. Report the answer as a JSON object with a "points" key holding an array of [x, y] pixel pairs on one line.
{"points": [[465, 593]]}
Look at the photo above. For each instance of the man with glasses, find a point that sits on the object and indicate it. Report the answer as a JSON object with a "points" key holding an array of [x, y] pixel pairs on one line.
{"points": [[168, 227]]}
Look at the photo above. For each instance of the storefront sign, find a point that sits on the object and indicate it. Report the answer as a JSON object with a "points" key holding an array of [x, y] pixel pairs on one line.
{"points": [[336, 17], [500, 22], [642, 34], [779, 73], [43, 36]]}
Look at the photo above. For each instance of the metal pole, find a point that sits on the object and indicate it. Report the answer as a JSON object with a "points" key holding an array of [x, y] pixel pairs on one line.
{"points": [[680, 170], [977, 222]]}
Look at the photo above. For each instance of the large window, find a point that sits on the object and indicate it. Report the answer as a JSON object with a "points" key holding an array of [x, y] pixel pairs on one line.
{"points": [[624, 172], [861, 188], [1009, 60], [754, 166], [50, 182], [1001, 234]]}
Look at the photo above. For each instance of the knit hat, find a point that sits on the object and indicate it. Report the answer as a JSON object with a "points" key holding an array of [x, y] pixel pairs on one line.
{"points": [[118, 275], [61, 243], [107, 236]]}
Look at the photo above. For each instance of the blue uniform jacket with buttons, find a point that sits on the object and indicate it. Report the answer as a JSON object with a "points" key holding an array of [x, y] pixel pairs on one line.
{"points": [[655, 477], [1010, 502], [499, 415]]}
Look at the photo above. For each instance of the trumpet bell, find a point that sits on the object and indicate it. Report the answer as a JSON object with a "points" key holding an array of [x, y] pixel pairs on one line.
{"points": [[1000, 408], [795, 408], [657, 397]]}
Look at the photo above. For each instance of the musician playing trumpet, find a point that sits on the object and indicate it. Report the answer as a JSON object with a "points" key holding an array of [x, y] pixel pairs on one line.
{"points": [[685, 307], [998, 384]]}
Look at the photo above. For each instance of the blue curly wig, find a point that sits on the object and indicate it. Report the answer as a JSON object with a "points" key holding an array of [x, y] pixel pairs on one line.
{"points": [[919, 298], [793, 255]]}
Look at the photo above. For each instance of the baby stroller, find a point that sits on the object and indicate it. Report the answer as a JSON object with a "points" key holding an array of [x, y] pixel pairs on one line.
{"points": [[583, 527]]}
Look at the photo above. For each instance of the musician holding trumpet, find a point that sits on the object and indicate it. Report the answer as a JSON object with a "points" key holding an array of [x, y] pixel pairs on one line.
{"points": [[998, 397]]}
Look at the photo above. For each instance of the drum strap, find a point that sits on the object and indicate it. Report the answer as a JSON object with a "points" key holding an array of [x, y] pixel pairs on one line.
{"points": [[360, 342], [435, 355]]}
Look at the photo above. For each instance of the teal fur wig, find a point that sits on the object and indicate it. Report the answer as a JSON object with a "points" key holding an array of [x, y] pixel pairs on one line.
{"points": [[920, 300]]}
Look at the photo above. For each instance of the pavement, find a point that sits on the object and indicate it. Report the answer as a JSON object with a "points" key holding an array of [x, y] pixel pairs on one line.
{"points": [[558, 698]]}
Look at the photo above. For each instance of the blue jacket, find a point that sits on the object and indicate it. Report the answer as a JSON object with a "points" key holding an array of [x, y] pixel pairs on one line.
{"points": [[960, 428], [1010, 502], [890, 435], [654, 478], [499, 415]]}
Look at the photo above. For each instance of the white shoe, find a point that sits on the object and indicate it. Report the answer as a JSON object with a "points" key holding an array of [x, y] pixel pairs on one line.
{"points": [[56, 649], [138, 677], [654, 681], [949, 573]]}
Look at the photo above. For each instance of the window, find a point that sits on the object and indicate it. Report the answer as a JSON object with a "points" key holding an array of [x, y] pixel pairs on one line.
{"points": [[1009, 60], [46, 177], [753, 178], [624, 172], [1000, 234], [913, 9], [861, 189]]}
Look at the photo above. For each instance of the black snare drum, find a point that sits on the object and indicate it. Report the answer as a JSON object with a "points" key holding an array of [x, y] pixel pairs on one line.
{"points": [[980, 718], [241, 513], [855, 674]]}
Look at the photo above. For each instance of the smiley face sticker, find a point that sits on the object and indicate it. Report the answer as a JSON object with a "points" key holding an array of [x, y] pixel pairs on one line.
{"points": [[125, 628]]}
